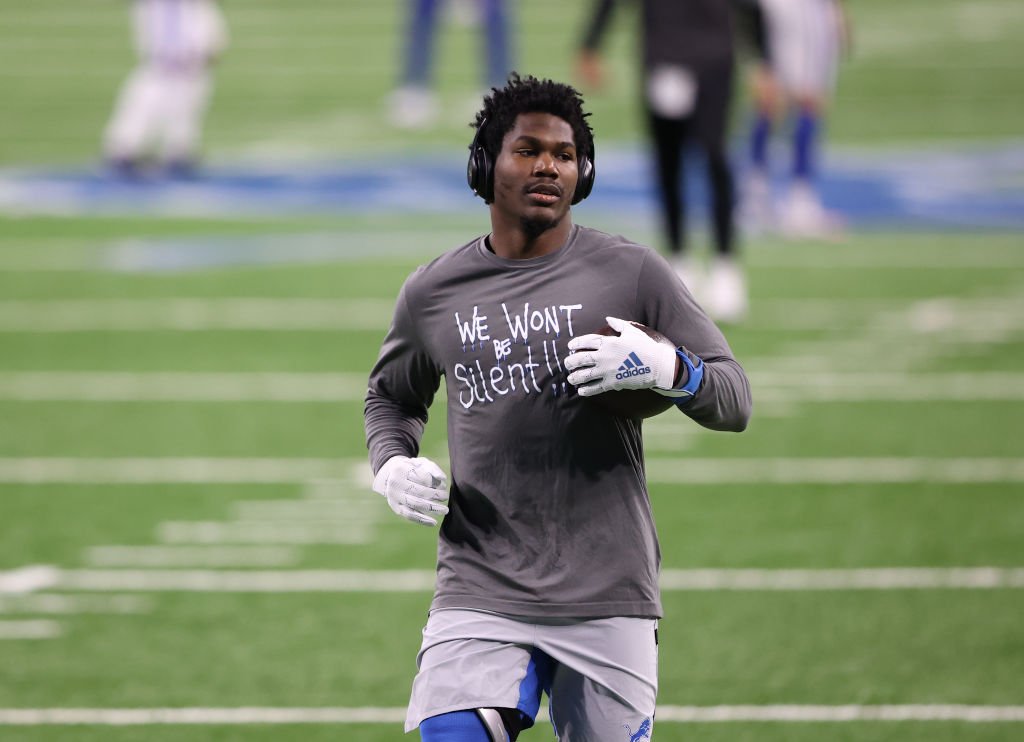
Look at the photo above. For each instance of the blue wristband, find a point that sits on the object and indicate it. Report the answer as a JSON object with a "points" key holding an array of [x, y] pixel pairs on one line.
{"points": [[695, 375]]}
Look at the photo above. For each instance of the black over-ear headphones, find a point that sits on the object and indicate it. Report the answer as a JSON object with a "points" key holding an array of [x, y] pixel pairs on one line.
{"points": [[480, 171]]}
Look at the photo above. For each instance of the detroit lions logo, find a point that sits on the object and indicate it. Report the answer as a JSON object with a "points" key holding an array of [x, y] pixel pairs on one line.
{"points": [[642, 733]]}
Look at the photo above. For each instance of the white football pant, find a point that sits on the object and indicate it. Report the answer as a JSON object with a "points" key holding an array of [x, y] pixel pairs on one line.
{"points": [[159, 109], [804, 40]]}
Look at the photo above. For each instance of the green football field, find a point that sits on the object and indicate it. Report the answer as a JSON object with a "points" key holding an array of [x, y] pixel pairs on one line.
{"points": [[189, 547]]}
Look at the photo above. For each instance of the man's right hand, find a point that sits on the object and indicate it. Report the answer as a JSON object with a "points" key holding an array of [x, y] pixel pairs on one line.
{"points": [[590, 69], [414, 488]]}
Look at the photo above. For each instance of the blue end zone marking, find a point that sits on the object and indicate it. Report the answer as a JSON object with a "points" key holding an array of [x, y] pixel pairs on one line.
{"points": [[980, 187]]}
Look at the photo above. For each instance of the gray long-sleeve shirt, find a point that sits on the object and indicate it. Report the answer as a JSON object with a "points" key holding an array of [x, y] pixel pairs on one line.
{"points": [[549, 511]]}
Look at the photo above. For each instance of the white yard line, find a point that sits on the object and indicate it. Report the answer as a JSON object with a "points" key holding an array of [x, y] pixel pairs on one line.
{"points": [[824, 471], [327, 17], [103, 69], [834, 470], [769, 386], [169, 470], [182, 387], [103, 256], [395, 715], [33, 629], [915, 257], [267, 532], [248, 581], [894, 386], [211, 252], [370, 314], [918, 334], [664, 436], [27, 579], [421, 580], [188, 314], [357, 505], [886, 578], [62, 605], [791, 713], [192, 556], [82, 44]]}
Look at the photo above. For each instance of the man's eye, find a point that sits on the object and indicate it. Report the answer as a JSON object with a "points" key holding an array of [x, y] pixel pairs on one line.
{"points": [[567, 157], [525, 152]]}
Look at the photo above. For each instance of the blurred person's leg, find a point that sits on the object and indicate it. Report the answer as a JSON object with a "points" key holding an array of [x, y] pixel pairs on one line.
{"points": [[134, 120], [420, 42], [757, 206], [760, 135], [669, 137], [497, 41], [805, 36], [805, 215], [726, 292], [412, 104], [711, 121], [806, 131], [187, 102], [670, 97]]}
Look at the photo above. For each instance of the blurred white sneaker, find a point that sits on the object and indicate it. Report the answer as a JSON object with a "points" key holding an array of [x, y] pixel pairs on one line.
{"points": [[804, 216], [727, 291], [412, 107], [757, 209], [689, 273]]}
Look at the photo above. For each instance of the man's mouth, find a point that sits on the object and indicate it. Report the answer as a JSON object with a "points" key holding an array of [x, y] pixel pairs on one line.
{"points": [[545, 193]]}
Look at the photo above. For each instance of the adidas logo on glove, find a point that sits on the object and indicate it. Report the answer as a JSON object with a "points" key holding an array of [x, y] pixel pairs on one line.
{"points": [[632, 366]]}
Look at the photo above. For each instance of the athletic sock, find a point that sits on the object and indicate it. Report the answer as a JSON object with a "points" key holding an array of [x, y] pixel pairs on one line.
{"points": [[464, 726], [805, 140], [760, 134]]}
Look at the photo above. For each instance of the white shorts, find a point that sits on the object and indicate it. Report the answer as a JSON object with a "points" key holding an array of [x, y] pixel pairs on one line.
{"points": [[803, 44], [600, 675]]}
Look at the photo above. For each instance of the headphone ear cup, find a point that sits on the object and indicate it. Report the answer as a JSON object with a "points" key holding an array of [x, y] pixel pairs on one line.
{"points": [[585, 182], [479, 172], [485, 176]]}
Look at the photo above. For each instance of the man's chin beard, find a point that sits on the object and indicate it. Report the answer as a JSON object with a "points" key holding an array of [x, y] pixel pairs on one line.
{"points": [[534, 227]]}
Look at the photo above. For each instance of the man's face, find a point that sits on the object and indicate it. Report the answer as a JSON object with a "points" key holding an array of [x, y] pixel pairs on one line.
{"points": [[535, 174]]}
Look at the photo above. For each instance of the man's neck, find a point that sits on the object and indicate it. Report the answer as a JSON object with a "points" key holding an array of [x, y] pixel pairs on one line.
{"points": [[515, 243]]}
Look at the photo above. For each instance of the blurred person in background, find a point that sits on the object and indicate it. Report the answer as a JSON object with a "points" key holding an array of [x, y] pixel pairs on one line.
{"points": [[413, 104], [159, 112], [793, 78], [547, 557], [687, 64]]}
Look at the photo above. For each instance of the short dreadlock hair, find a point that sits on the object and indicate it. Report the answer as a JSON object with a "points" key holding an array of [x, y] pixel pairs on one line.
{"points": [[530, 95]]}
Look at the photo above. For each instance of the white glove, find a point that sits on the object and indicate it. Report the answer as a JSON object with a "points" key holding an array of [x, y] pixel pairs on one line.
{"points": [[631, 360], [413, 488]]}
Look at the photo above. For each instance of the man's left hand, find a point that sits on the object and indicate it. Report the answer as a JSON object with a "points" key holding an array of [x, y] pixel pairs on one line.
{"points": [[630, 360]]}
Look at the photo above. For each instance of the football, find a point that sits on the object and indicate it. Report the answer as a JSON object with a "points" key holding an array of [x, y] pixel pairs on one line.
{"points": [[638, 404]]}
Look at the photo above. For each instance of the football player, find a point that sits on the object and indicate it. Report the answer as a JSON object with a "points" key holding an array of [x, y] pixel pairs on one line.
{"points": [[795, 73], [413, 104], [687, 67], [160, 108], [547, 561]]}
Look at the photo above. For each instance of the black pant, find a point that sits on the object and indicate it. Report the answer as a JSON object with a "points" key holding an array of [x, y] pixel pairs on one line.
{"points": [[706, 125]]}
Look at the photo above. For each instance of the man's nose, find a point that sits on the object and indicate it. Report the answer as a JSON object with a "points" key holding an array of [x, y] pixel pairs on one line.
{"points": [[545, 164]]}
